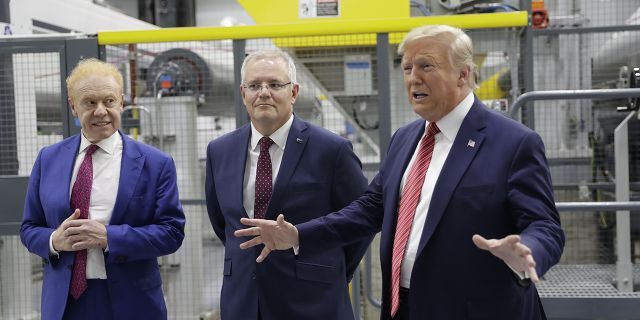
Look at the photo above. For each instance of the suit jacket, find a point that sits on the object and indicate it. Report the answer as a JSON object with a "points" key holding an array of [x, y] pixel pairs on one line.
{"points": [[496, 186], [147, 222], [319, 174]]}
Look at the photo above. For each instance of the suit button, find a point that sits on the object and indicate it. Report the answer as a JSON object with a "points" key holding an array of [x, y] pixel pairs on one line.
{"points": [[121, 259], [253, 275]]}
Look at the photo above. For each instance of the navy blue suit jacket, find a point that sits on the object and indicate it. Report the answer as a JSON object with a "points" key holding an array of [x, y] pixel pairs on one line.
{"points": [[319, 174], [499, 186], [147, 222]]}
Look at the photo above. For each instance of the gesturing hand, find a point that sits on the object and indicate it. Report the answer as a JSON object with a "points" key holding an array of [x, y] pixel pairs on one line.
{"points": [[275, 235], [510, 250]]}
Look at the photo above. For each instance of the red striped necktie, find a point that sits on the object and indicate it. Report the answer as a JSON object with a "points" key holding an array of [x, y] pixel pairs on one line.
{"points": [[407, 209]]}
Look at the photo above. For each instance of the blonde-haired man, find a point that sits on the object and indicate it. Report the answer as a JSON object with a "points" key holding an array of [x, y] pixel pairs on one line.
{"points": [[100, 208], [459, 174]]}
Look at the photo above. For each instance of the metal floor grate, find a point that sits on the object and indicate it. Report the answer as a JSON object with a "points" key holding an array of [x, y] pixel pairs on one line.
{"points": [[584, 281]]}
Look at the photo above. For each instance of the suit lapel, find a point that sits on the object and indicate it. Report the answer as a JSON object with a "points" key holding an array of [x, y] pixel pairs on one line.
{"points": [[130, 168], [236, 183], [465, 146], [296, 143], [63, 171]]}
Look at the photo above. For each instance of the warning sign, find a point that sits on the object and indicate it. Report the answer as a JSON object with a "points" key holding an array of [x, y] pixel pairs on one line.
{"points": [[318, 8]]}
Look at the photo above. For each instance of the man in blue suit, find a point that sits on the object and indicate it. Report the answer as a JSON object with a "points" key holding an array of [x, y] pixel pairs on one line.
{"points": [[280, 164], [465, 172], [100, 208]]}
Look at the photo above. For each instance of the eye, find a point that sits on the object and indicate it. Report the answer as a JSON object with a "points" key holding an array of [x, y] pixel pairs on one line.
{"points": [[407, 69], [276, 86], [254, 87]]}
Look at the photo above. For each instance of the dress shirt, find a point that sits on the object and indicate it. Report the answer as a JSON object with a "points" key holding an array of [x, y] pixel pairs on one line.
{"points": [[449, 126], [276, 151], [104, 190]]}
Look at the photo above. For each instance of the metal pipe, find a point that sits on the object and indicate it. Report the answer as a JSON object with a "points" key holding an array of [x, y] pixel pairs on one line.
{"points": [[624, 268], [597, 206], [572, 94]]}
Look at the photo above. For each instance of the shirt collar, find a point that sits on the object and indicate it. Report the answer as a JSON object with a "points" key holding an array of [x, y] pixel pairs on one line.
{"points": [[450, 123], [279, 137], [108, 144]]}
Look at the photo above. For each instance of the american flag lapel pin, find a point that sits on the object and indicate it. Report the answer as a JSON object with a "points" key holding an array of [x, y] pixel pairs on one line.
{"points": [[471, 144]]}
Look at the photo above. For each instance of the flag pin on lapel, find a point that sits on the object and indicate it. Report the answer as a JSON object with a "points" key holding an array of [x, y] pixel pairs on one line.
{"points": [[298, 140], [471, 144]]}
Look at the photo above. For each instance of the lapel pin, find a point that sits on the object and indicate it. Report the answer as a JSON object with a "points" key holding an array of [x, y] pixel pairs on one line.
{"points": [[471, 144], [298, 140]]}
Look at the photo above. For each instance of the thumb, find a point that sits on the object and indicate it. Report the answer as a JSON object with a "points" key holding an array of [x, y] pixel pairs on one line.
{"points": [[74, 215], [480, 242], [280, 220]]}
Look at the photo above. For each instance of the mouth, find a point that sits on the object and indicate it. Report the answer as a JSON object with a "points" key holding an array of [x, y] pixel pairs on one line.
{"points": [[419, 95], [101, 124]]}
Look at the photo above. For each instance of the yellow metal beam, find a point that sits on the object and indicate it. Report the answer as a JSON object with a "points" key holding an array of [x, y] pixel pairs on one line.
{"points": [[289, 11], [313, 28]]}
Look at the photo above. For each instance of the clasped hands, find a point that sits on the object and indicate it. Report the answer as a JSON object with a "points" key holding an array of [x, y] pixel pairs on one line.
{"points": [[77, 234], [282, 235]]}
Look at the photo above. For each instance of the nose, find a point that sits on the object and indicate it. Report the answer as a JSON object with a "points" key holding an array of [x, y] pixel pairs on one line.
{"points": [[414, 76], [264, 91], [101, 110]]}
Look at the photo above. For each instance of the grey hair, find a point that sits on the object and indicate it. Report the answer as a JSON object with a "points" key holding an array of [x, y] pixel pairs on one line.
{"points": [[460, 49], [271, 53]]}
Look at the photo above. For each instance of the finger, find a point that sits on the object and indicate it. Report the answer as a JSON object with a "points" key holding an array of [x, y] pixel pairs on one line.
{"points": [[533, 275], [480, 242], [522, 250], [263, 254], [511, 239], [252, 222], [80, 245], [280, 220], [251, 243], [248, 232]]}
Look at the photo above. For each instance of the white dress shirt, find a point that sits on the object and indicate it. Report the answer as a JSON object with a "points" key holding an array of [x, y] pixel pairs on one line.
{"points": [[449, 126], [276, 151], [104, 190]]}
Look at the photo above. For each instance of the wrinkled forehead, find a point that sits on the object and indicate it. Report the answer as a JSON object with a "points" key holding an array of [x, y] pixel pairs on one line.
{"points": [[96, 85], [432, 48]]}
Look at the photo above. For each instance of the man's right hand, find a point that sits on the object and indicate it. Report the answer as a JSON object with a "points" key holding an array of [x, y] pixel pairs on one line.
{"points": [[60, 242], [275, 235]]}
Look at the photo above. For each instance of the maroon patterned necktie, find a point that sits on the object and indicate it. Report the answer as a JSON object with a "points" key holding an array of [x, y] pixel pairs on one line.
{"points": [[407, 209], [80, 198], [263, 179]]}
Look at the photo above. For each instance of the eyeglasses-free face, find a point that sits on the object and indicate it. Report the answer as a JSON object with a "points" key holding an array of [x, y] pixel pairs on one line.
{"points": [[271, 108]]}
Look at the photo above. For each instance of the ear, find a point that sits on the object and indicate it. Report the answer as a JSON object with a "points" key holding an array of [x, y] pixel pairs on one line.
{"points": [[242, 93], [463, 78], [294, 93], [122, 103], [73, 108]]}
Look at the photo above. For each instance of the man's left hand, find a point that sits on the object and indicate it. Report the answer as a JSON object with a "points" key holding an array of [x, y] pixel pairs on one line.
{"points": [[510, 250], [86, 234]]}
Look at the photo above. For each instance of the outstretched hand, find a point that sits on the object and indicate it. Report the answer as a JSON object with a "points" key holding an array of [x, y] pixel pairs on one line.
{"points": [[510, 250], [275, 235]]}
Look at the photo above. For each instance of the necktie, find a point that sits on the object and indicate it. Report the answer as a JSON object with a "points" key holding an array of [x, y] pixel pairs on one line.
{"points": [[407, 209], [263, 179], [80, 198]]}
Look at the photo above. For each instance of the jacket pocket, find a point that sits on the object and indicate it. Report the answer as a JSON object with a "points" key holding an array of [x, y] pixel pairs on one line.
{"points": [[227, 267], [149, 281], [316, 272]]}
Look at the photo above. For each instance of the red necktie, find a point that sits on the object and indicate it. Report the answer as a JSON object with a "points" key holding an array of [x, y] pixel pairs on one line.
{"points": [[263, 179], [80, 198], [407, 209]]}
